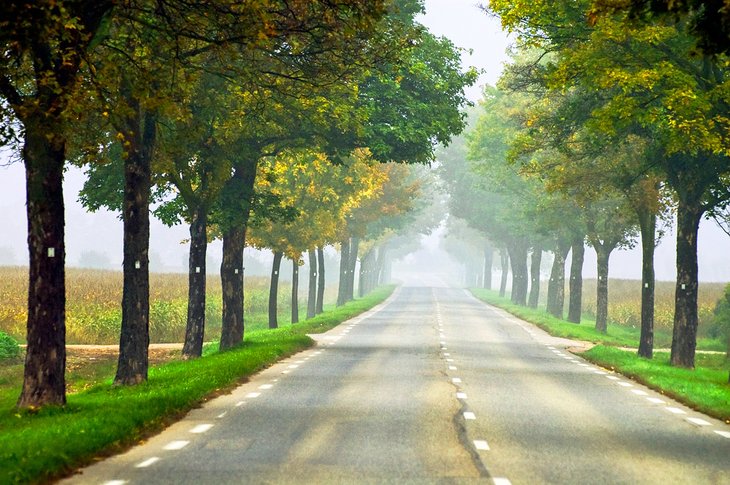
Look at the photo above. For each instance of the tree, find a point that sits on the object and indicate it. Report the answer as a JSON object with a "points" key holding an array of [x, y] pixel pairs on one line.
{"points": [[646, 76], [45, 45]]}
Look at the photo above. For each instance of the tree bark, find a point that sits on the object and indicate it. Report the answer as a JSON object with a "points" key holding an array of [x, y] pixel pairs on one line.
{"points": [[240, 189], [195, 328], [274, 289], [140, 138], [535, 264], [295, 291], [575, 300], [505, 270], [603, 255], [45, 360], [232, 327], [344, 264], [312, 288], [488, 258], [321, 283], [352, 265], [684, 337], [556, 286], [518, 262], [647, 223]]}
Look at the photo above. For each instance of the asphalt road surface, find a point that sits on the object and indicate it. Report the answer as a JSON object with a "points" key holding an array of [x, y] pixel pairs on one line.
{"points": [[432, 387]]}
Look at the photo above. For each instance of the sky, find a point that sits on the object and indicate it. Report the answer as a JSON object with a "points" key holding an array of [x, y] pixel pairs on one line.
{"points": [[459, 20]]}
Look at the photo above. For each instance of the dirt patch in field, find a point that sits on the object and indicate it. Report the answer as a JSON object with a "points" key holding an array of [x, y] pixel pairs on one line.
{"points": [[157, 352]]}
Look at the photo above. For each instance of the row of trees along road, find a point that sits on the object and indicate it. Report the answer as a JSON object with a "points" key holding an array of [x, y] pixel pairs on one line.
{"points": [[176, 105], [609, 121]]}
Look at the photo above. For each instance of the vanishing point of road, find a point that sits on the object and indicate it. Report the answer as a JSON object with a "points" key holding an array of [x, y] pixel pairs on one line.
{"points": [[432, 386]]}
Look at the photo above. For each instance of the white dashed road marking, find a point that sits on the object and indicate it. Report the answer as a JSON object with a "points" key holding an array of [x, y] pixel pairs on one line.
{"points": [[201, 428], [460, 395], [252, 395], [674, 410], [639, 392], [501, 481], [655, 400], [456, 380], [266, 386], [147, 462], [481, 445], [469, 415], [698, 421], [724, 434], [176, 445]]}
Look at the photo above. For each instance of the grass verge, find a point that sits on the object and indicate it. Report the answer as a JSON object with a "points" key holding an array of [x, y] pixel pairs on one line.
{"points": [[705, 388], [616, 335], [104, 419]]}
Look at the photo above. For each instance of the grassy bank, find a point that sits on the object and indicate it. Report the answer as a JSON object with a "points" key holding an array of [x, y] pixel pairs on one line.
{"points": [[102, 419], [616, 335], [705, 388]]}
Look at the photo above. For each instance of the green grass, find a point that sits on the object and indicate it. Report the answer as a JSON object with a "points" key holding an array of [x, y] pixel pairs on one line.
{"points": [[705, 388], [103, 419], [616, 335], [9, 348]]}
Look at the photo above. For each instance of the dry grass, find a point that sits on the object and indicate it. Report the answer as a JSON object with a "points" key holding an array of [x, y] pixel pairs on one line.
{"points": [[93, 312], [624, 303]]}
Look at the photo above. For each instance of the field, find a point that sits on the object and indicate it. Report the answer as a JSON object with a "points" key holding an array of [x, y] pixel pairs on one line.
{"points": [[94, 315], [624, 304]]}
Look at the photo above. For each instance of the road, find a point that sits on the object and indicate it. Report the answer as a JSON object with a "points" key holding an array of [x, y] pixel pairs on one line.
{"points": [[432, 387]]}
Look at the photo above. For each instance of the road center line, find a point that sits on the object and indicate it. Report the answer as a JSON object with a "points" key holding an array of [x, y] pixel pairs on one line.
{"points": [[481, 445]]}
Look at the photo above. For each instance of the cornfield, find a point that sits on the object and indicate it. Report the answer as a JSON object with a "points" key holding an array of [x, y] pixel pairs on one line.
{"points": [[94, 315], [624, 304]]}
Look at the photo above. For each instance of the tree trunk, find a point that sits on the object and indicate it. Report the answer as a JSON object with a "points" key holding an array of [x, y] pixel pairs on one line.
{"points": [[195, 328], [505, 269], [518, 262], [603, 255], [239, 188], [684, 337], [535, 263], [647, 223], [232, 284], [295, 291], [556, 286], [352, 265], [274, 289], [45, 360], [488, 258], [134, 340], [321, 275], [344, 264], [575, 301], [312, 293]]}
